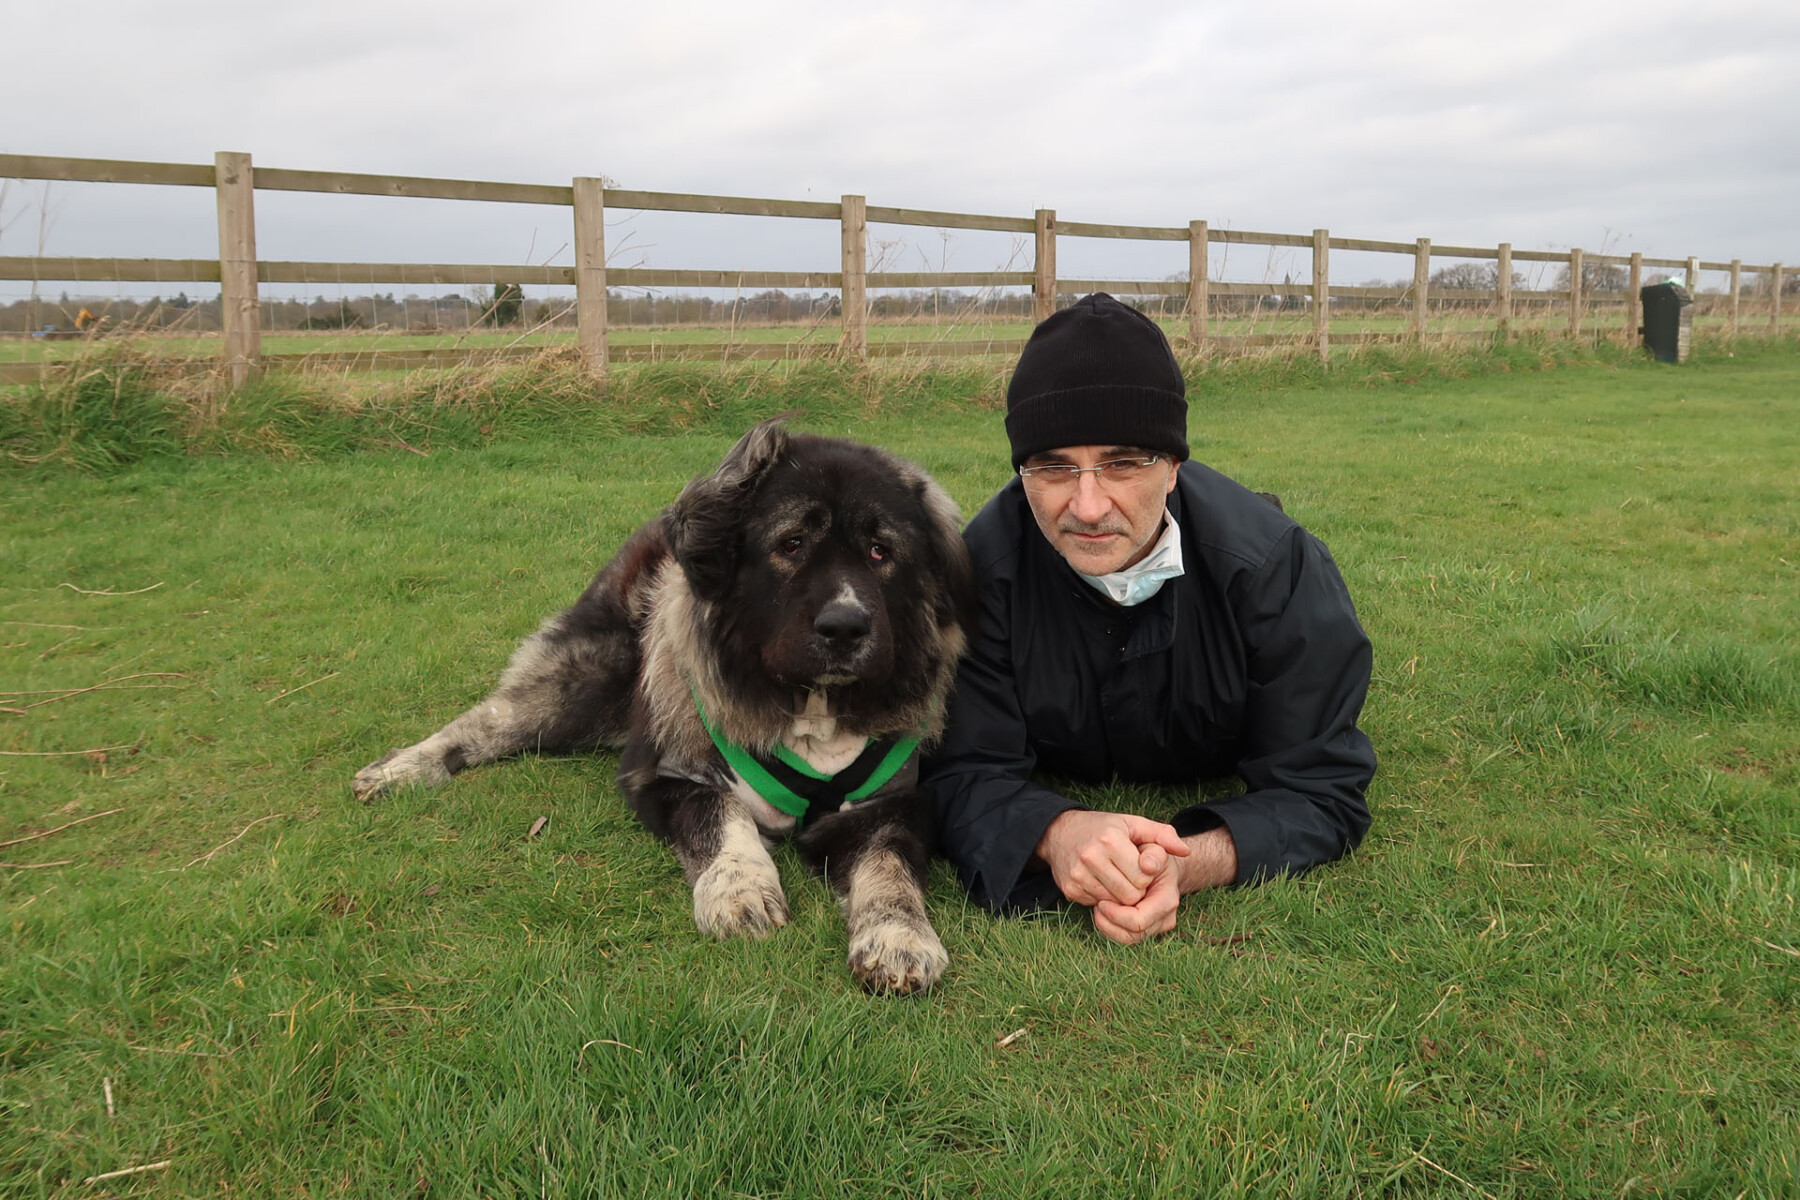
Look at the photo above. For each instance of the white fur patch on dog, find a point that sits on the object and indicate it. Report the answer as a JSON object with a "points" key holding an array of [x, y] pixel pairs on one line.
{"points": [[814, 736]]}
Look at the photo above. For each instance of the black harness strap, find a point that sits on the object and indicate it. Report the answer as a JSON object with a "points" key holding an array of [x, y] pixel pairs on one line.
{"points": [[828, 795]]}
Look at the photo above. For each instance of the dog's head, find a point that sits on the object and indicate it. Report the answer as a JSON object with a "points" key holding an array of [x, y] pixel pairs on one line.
{"points": [[825, 564]]}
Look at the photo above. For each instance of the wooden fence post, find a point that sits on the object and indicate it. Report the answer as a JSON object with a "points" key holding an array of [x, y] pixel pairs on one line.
{"points": [[1198, 299], [1421, 286], [854, 295], [1503, 292], [1693, 277], [1775, 300], [590, 274], [1576, 267], [1737, 284], [1043, 285], [1321, 293], [240, 315], [1634, 301]]}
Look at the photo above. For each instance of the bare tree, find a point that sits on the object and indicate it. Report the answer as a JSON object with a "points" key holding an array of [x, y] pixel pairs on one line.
{"points": [[1595, 277], [1467, 276]]}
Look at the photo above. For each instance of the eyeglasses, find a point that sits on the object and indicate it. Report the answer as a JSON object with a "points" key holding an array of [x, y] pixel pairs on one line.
{"points": [[1062, 477]]}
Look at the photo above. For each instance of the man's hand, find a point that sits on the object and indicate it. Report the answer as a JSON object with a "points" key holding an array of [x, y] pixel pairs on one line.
{"points": [[1211, 861], [1099, 856], [1153, 915]]}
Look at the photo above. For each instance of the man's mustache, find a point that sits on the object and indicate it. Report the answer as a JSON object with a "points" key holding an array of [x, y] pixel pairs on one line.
{"points": [[1092, 530]]}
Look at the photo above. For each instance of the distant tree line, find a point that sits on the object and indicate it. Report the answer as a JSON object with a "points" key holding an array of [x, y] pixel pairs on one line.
{"points": [[201, 315], [155, 313]]}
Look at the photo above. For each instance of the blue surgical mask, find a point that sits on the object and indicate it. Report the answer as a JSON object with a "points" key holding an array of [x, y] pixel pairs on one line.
{"points": [[1136, 584]]}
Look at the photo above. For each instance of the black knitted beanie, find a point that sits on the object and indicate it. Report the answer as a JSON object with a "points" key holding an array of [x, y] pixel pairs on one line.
{"points": [[1098, 373]]}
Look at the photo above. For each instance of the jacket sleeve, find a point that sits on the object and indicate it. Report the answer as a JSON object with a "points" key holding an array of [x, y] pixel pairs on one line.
{"points": [[1306, 764], [990, 814]]}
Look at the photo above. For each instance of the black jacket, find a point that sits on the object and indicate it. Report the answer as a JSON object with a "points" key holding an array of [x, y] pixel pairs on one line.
{"points": [[1252, 662]]}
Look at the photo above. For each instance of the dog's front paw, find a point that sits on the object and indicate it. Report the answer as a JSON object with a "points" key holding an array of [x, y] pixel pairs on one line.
{"points": [[897, 956], [735, 897], [397, 768]]}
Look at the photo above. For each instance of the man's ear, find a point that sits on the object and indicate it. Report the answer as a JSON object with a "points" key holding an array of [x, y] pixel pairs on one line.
{"points": [[705, 524]]}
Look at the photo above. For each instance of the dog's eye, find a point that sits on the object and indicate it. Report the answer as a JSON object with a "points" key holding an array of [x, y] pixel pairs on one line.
{"points": [[792, 546], [878, 552]]}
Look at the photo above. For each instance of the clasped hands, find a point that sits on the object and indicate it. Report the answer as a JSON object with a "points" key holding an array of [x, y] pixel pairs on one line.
{"points": [[1131, 871]]}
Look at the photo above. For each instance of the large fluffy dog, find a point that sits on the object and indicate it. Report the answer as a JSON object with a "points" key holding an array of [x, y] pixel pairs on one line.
{"points": [[769, 653]]}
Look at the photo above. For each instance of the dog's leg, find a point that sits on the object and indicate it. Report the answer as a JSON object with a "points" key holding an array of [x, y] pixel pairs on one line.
{"points": [[565, 689], [737, 890], [488, 731], [893, 947], [569, 686], [874, 858]]}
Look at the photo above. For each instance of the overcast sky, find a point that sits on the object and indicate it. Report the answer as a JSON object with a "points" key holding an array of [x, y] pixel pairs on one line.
{"points": [[1670, 128]]}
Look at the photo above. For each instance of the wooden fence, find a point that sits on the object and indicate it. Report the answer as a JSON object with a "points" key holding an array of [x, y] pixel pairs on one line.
{"points": [[238, 271]]}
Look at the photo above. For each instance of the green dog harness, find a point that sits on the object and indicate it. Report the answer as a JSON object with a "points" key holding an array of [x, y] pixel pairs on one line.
{"points": [[800, 790]]}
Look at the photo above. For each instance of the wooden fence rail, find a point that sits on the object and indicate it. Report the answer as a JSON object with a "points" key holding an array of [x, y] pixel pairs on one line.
{"points": [[239, 273]]}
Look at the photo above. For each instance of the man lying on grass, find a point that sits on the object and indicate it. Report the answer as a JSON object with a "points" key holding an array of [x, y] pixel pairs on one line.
{"points": [[1142, 618]]}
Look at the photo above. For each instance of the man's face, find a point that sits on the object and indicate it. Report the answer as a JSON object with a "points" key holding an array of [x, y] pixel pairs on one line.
{"points": [[1101, 526]]}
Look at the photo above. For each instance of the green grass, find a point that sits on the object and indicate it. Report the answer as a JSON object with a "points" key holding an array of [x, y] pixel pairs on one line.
{"points": [[1296, 324], [1564, 962]]}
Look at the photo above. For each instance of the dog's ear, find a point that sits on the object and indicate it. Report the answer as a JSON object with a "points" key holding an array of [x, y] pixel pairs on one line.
{"points": [[705, 524], [957, 602]]}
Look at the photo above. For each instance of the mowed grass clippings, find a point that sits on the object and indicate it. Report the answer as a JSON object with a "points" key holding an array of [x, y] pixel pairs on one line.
{"points": [[1566, 961]]}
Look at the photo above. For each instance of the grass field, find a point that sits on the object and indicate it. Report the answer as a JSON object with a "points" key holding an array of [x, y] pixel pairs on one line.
{"points": [[1565, 962], [1292, 324]]}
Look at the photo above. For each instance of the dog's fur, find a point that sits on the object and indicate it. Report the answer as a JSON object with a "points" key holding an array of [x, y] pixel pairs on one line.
{"points": [[812, 592]]}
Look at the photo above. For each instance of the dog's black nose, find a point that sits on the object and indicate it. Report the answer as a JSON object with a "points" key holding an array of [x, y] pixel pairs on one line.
{"points": [[842, 622]]}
